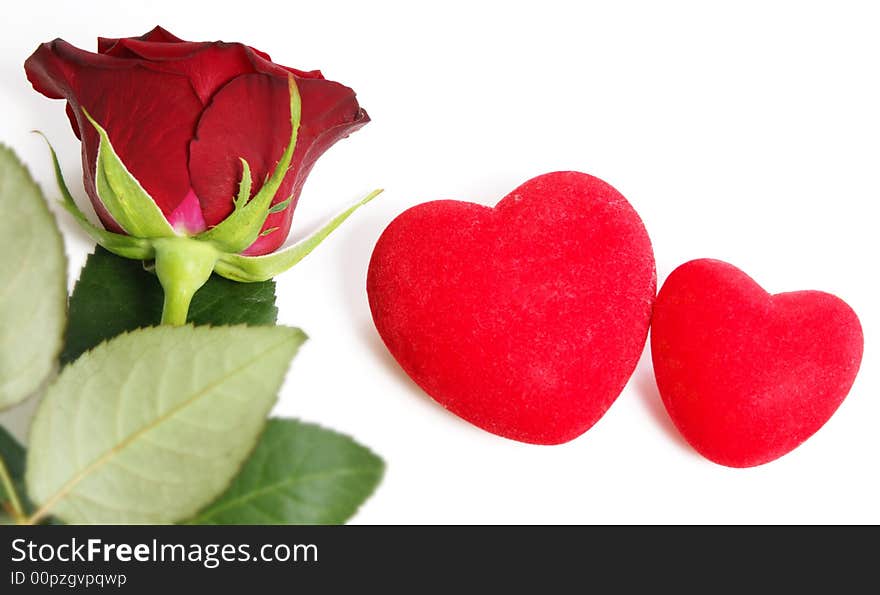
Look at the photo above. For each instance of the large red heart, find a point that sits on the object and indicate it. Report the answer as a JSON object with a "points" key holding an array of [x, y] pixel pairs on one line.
{"points": [[525, 319], [747, 376]]}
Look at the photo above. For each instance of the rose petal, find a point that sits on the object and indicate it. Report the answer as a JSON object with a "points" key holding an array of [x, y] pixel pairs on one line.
{"points": [[157, 35], [250, 118], [160, 35], [261, 62], [261, 54], [208, 66], [150, 116], [72, 118], [187, 218], [152, 51]]}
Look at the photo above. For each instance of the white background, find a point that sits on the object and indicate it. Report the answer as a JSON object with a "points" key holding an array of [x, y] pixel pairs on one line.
{"points": [[749, 133]]}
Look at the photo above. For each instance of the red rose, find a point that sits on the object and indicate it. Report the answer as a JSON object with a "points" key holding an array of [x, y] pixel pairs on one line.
{"points": [[181, 114]]}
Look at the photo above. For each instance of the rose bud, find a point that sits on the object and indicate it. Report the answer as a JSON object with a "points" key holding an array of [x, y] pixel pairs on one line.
{"points": [[194, 153]]}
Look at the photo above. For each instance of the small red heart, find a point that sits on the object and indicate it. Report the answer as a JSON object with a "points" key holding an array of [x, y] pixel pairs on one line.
{"points": [[747, 376], [526, 319]]}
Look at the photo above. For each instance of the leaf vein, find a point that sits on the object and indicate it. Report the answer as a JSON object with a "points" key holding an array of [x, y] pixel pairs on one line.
{"points": [[96, 464], [280, 486]]}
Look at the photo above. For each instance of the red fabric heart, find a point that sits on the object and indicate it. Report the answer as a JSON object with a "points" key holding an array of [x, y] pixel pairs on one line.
{"points": [[527, 319], [747, 376]]}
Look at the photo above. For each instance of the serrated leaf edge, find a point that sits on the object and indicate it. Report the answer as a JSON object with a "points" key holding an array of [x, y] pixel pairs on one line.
{"points": [[379, 471]]}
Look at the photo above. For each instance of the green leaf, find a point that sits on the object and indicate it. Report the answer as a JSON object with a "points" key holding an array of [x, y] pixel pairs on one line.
{"points": [[153, 425], [127, 246], [242, 227], [33, 294], [125, 199], [13, 455], [298, 474], [114, 295], [250, 269]]}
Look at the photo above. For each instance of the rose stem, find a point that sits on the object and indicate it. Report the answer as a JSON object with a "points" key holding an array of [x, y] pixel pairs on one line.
{"points": [[17, 511], [183, 265]]}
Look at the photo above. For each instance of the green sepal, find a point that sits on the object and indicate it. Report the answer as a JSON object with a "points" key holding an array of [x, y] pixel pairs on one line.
{"points": [[281, 206], [249, 269], [121, 245], [241, 228], [244, 187], [123, 196]]}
